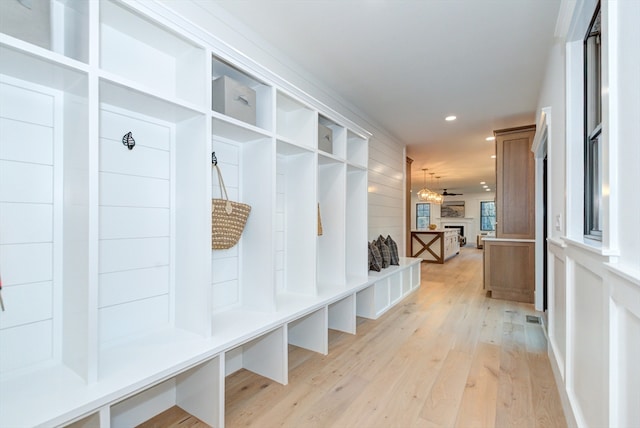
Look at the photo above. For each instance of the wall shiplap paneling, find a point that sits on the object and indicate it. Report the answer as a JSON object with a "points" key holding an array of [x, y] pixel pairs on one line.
{"points": [[36, 296], [30, 344], [26, 141], [126, 286], [133, 318], [386, 190], [135, 224], [25, 223], [27, 146]]}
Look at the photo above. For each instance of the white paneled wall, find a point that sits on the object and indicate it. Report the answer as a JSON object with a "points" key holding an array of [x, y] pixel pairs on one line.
{"points": [[594, 287], [29, 162], [386, 189], [135, 224]]}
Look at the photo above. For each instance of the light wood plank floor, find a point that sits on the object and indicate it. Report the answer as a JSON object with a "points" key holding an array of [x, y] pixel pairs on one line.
{"points": [[445, 356]]}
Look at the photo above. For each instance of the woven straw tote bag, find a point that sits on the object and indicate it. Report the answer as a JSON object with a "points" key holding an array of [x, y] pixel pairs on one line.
{"points": [[228, 218]]}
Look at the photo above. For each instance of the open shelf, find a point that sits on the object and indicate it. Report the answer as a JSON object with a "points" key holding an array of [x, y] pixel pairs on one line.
{"points": [[357, 150], [61, 26], [338, 140], [197, 390], [263, 93], [138, 49], [295, 122]]}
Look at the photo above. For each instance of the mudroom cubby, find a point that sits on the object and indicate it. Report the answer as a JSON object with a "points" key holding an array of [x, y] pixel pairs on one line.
{"points": [[310, 331], [149, 224], [263, 107], [61, 26], [44, 195], [331, 270], [265, 355], [357, 150], [295, 121], [295, 221], [198, 390], [337, 141], [146, 55], [248, 168], [387, 289], [342, 314], [117, 308]]}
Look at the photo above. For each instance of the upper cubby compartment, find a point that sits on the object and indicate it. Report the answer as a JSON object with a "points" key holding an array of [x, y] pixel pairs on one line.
{"points": [[357, 150], [239, 97], [141, 53], [332, 138], [58, 25], [294, 121]]}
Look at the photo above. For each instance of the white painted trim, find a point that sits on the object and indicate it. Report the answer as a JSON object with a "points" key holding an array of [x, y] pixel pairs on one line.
{"points": [[560, 385], [539, 148]]}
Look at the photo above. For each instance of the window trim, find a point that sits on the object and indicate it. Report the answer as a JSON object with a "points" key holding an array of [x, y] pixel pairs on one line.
{"points": [[592, 117], [494, 216], [418, 204]]}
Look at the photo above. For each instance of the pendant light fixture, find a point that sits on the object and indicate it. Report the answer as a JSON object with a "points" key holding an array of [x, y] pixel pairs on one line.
{"points": [[424, 193], [436, 197]]}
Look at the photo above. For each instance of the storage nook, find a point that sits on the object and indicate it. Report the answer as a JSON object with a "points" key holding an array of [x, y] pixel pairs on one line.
{"points": [[117, 308]]}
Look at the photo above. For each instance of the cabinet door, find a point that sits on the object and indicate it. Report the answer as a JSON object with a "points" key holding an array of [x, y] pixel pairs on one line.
{"points": [[515, 196]]}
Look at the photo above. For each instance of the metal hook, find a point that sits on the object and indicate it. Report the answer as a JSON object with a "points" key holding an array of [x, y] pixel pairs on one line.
{"points": [[128, 141], [214, 159]]}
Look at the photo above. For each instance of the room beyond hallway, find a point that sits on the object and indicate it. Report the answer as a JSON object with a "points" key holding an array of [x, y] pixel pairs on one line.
{"points": [[446, 356]]}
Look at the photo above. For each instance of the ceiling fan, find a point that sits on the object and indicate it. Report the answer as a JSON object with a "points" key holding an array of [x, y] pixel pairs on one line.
{"points": [[445, 193]]}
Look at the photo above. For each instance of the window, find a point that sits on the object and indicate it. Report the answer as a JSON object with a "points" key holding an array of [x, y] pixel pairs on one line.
{"points": [[423, 216], [593, 130], [487, 215]]}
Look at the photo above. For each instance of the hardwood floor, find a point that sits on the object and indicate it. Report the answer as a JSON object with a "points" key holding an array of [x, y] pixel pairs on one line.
{"points": [[446, 356]]}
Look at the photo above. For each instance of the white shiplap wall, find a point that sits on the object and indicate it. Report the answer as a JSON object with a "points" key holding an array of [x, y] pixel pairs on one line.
{"points": [[386, 189]]}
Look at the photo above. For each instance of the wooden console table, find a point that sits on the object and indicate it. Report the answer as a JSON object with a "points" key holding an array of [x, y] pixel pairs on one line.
{"points": [[435, 246]]}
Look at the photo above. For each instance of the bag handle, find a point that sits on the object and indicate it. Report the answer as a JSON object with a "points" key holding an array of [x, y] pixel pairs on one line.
{"points": [[223, 188]]}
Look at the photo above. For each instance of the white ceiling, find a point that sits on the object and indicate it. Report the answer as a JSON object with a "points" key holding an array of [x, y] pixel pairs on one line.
{"points": [[409, 63]]}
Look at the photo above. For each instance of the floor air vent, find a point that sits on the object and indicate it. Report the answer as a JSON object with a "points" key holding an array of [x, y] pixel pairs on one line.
{"points": [[533, 319]]}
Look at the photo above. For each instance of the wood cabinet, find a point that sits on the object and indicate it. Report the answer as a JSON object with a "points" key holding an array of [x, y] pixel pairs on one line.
{"points": [[515, 185], [509, 263], [116, 306], [435, 246]]}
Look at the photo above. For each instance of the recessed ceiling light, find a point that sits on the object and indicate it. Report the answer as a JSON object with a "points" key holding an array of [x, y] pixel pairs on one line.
{"points": [[490, 138], [450, 118], [483, 182], [493, 156], [488, 190], [485, 186]]}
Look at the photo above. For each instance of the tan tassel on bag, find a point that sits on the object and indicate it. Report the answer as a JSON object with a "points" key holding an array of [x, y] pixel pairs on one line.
{"points": [[319, 222]]}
